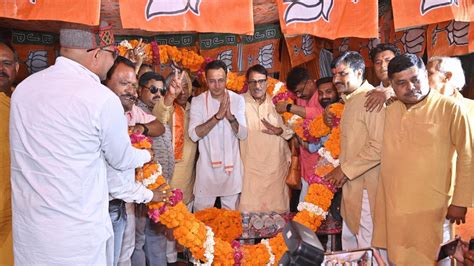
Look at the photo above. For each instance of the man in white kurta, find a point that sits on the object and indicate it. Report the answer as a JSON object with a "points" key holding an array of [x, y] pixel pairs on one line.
{"points": [[218, 122], [64, 126]]}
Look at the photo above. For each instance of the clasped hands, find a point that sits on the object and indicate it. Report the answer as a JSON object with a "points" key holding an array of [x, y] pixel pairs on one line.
{"points": [[224, 109]]}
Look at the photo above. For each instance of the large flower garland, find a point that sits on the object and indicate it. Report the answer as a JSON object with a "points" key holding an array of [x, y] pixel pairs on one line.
{"points": [[226, 224], [202, 241]]}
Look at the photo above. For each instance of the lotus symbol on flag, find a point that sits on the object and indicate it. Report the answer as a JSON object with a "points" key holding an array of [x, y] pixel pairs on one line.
{"points": [[428, 5], [456, 32], [37, 61], [307, 10], [265, 55], [413, 39], [308, 44], [156, 8], [226, 57]]}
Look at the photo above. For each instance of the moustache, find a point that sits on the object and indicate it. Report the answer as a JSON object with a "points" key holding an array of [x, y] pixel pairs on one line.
{"points": [[412, 93], [3, 74], [128, 97], [157, 97]]}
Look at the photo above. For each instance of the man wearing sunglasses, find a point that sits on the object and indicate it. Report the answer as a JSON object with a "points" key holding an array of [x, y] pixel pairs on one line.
{"points": [[65, 125]]}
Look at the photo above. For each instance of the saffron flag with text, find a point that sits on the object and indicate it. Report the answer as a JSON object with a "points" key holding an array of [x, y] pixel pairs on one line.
{"points": [[79, 11], [329, 19], [229, 16], [411, 13]]}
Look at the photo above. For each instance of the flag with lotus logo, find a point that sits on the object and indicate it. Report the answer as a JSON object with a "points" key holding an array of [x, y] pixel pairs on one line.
{"points": [[411, 13], [329, 19], [229, 16]]}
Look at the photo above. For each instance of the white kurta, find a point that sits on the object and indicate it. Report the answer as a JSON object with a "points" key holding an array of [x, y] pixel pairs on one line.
{"points": [[214, 181], [63, 126]]}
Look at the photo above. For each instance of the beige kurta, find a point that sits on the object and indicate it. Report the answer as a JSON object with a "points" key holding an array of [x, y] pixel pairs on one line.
{"points": [[413, 194], [184, 170], [361, 140], [266, 159], [6, 246]]}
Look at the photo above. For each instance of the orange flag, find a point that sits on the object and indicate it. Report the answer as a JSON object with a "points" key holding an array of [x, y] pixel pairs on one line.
{"points": [[229, 16], [450, 38], [262, 48], [410, 13], [301, 48], [36, 51], [79, 11], [411, 40], [329, 19], [222, 47]]}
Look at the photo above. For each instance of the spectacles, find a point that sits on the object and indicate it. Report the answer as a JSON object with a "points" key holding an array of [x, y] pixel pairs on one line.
{"points": [[153, 89], [114, 52], [260, 82]]}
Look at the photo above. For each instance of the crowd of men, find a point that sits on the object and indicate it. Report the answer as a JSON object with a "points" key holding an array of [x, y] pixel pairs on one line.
{"points": [[406, 162]]}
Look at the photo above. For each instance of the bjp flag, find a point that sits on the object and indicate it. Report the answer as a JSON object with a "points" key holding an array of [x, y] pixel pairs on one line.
{"points": [[450, 38], [36, 51], [262, 48], [78, 11], [301, 48], [411, 40], [221, 47], [411, 13], [229, 16], [329, 19]]}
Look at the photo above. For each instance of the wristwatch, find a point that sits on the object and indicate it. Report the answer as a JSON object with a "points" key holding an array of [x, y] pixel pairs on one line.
{"points": [[145, 129], [288, 107]]}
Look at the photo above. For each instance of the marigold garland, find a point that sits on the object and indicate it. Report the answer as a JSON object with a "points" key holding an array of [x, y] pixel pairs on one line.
{"points": [[226, 224], [190, 232]]}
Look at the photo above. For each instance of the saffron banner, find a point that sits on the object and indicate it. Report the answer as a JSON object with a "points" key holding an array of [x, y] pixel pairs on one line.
{"points": [[229, 16], [412, 13], [329, 18], [450, 38], [79, 11]]}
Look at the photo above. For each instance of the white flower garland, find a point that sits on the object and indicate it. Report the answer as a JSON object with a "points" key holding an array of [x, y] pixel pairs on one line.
{"points": [[312, 208], [152, 179], [270, 251], [327, 155], [277, 88], [209, 246], [292, 120]]}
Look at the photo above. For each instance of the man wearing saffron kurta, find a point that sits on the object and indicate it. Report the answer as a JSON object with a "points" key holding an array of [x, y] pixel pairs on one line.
{"points": [[413, 196], [265, 152], [361, 139], [217, 122], [8, 68]]}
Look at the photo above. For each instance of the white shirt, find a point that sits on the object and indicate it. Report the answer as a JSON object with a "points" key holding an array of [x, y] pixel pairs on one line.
{"points": [[122, 184], [64, 124], [212, 181]]}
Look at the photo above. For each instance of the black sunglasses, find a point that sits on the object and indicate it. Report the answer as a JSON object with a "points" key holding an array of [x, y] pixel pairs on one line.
{"points": [[114, 52], [153, 89]]}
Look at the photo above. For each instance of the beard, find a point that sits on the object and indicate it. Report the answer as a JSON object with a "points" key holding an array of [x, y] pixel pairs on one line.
{"points": [[325, 102]]}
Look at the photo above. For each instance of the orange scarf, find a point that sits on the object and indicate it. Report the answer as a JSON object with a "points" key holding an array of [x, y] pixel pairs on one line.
{"points": [[178, 132]]}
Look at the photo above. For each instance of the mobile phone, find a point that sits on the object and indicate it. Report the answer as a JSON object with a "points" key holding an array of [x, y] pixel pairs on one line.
{"points": [[448, 248], [471, 244]]}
